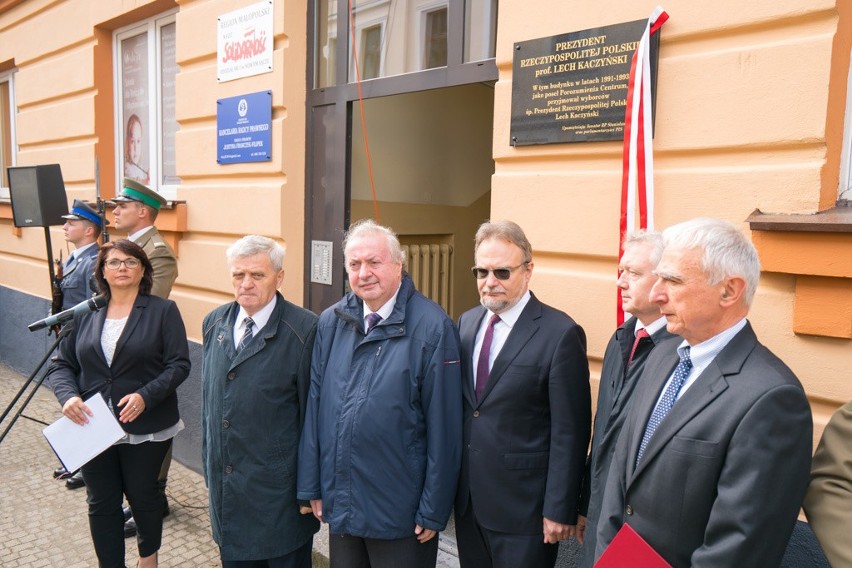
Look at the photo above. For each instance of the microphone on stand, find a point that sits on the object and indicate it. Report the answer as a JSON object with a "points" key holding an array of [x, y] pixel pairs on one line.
{"points": [[93, 304]]}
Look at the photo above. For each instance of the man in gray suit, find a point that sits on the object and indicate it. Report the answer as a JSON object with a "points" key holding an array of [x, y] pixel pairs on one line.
{"points": [[625, 357], [714, 456]]}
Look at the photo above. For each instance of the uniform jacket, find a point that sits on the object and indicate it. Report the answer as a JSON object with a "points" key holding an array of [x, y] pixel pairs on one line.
{"points": [[828, 503], [151, 358], [162, 259], [252, 415], [616, 389], [381, 445], [76, 277], [525, 440], [722, 479]]}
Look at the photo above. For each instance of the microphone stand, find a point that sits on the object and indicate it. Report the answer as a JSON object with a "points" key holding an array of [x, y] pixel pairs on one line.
{"points": [[66, 329]]}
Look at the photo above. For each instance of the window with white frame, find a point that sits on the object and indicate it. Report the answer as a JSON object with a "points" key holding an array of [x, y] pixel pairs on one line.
{"points": [[435, 38], [146, 124], [7, 131], [844, 191], [371, 52]]}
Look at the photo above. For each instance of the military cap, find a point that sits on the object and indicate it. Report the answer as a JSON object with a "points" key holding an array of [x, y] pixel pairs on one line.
{"points": [[82, 211], [139, 192]]}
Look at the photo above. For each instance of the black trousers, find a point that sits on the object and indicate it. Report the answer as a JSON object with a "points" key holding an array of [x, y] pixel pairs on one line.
{"points": [[131, 470], [299, 558], [347, 551], [480, 547]]}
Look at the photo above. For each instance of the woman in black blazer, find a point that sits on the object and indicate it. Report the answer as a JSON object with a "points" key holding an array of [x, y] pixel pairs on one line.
{"points": [[134, 353]]}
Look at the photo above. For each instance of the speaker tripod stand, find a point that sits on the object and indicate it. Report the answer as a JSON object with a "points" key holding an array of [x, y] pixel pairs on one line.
{"points": [[59, 337]]}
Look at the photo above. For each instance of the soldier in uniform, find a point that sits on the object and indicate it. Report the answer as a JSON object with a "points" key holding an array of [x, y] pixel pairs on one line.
{"points": [[135, 211], [82, 228]]}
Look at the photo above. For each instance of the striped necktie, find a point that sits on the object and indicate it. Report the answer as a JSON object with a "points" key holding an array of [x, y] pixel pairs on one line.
{"points": [[372, 319], [247, 335]]}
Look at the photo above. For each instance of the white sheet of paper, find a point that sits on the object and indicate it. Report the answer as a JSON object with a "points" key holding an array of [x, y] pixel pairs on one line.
{"points": [[75, 445]]}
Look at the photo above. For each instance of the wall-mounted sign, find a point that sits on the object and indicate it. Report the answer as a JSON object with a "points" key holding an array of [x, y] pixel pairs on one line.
{"points": [[573, 87], [244, 45], [244, 125]]}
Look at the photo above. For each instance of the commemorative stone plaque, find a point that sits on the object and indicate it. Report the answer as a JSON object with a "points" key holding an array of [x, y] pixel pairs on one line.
{"points": [[573, 87]]}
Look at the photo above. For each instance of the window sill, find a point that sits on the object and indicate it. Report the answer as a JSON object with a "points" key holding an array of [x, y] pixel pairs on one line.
{"points": [[816, 249]]}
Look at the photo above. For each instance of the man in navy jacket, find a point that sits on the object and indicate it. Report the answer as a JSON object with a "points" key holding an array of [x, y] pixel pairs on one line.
{"points": [[379, 456]]}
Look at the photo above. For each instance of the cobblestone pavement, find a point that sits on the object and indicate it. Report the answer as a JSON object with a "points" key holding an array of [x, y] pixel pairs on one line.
{"points": [[43, 524]]}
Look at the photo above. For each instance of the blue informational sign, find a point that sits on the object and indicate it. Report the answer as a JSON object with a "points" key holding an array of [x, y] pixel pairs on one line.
{"points": [[244, 125]]}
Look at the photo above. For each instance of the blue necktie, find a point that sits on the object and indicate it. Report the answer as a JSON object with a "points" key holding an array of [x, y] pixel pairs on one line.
{"points": [[668, 401], [247, 335]]}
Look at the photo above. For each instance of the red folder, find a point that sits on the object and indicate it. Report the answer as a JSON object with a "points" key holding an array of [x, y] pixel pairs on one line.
{"points": [[628, 549]]}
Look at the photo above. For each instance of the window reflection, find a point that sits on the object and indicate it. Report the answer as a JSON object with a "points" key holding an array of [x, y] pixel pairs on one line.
{"points": [[325, 63], [393, 37], [480, 29], [396, 36], [435, 40], [371, 52]]}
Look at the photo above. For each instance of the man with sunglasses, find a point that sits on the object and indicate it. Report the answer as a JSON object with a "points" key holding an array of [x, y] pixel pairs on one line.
{"points": [[527, 413]]}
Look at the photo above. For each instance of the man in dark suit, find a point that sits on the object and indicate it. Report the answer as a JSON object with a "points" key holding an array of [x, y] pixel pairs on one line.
{"points": [[527, 413], [625, 357], [255, 376], [714, 456]]}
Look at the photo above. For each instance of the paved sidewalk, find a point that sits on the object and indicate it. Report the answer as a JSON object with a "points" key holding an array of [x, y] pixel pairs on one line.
{"points": [[43, 524]]}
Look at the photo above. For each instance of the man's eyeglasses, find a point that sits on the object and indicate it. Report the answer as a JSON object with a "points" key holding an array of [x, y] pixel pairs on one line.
{"points": [[499, 273], [114, 263]]}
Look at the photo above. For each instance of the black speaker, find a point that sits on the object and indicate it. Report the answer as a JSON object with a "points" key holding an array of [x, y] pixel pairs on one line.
{"points": [[38, 195]]}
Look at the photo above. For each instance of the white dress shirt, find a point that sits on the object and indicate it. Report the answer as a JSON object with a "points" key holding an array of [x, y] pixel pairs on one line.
{"points": [[701, 355], [260, 318]]}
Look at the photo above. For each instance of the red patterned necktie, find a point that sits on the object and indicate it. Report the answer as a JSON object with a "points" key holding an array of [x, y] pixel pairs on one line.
{"points": [[482, 368], [640, 335]]}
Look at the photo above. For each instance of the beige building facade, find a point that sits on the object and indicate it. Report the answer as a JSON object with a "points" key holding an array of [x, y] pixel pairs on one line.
{"points": [[752, 125]]}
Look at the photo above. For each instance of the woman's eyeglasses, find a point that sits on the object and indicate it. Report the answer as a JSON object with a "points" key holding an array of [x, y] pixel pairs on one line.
{"points": [[114, 263], [499, 273]]}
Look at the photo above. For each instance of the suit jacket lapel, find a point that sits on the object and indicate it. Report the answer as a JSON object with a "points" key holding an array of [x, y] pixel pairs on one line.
{"points": [[709, 385], [136, 314], [97, 331], [523, 330], [624, 337], [467, 335], [66, 270], [225, 334]]}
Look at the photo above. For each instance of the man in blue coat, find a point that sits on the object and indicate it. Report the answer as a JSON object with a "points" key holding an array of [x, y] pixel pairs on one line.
{"points": [[255, 375], [381, 448]]}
